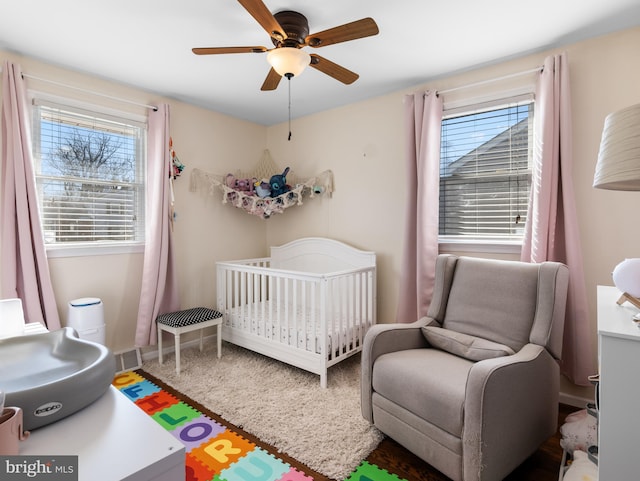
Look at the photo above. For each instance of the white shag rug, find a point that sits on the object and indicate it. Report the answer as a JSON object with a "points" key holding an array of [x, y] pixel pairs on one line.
{"points": [[282, 405]]}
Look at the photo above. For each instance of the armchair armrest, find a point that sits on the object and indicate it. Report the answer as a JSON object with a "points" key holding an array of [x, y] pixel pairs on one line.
{"points": [[510, 402], [381, 339]]}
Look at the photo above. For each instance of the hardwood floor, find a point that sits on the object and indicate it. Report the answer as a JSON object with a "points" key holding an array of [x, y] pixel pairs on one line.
{"points": [[543, 465]]}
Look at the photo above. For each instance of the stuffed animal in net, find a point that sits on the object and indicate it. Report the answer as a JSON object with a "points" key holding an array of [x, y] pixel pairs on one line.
{"points": [[244, 185], [278, 183], [262, 188], [230, 181]]}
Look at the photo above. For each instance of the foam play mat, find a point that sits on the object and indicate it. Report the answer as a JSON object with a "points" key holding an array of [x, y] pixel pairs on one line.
{"points": [[215, 451], [371, 472]]}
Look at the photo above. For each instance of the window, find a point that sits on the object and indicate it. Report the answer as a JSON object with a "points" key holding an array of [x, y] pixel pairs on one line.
{"points": [[485, 174], [89, 175]]}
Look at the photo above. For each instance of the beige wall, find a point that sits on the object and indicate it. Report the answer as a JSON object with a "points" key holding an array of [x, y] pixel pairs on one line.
{"points": [[362, 144]]}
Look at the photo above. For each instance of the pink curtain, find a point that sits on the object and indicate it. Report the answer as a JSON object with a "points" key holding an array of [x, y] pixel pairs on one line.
{"points": [[423, 119], [159, 292], [551, 231], [25, 271]]}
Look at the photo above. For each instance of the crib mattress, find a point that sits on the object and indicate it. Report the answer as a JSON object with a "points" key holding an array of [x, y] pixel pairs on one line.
{"points": [[296, 326]]}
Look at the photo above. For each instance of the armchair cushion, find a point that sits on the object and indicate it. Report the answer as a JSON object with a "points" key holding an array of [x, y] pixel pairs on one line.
{"points": [[464, 345], [422, 389], [493, 300]]}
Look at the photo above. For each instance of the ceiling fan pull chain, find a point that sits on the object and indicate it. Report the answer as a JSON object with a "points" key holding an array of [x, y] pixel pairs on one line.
{"points": [[289, 82]]}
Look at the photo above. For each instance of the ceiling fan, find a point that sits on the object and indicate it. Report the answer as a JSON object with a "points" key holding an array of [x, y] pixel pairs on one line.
{"points": [[289, 32]]}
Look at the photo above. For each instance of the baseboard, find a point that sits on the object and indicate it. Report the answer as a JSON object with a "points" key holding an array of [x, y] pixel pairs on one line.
{"points": [[152, 352], [575, 401]]}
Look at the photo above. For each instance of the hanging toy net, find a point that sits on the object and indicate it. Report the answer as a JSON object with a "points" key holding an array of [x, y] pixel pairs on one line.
{"points": [[254, 191]]}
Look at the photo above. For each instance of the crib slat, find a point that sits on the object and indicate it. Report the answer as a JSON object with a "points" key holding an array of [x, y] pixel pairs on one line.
{"points": [[295, 325], [236, 289], [315, 330], [305, 319]]}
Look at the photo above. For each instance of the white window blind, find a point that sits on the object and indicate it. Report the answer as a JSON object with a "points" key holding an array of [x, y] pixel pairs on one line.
{"points": [[89, 174], [485, 173]]}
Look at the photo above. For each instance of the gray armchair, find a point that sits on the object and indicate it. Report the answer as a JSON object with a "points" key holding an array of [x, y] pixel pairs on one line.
{"points": [[472, 388]]}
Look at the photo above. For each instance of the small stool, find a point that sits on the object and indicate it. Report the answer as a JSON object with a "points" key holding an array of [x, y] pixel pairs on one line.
{"points": [[179, 322]]}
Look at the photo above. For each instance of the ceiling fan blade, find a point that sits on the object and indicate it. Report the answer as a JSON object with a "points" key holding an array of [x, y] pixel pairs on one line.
{"points": [[333, 69], [365, 27], [272, 80], [222, 50], [263, 16]]}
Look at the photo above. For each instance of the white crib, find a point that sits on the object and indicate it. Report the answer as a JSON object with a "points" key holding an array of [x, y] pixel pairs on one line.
{"points": [[309, 304]]}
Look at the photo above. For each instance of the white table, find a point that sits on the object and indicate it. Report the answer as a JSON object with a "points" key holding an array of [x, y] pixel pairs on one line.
{"points": [[115, 440]]}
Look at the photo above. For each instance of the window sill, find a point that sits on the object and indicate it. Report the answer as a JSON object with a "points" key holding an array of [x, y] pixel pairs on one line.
{"points": [[480, 246], [85, 250]]}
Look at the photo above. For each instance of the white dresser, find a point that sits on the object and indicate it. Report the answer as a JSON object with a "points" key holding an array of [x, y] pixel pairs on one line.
{"points": [[619, 406]]}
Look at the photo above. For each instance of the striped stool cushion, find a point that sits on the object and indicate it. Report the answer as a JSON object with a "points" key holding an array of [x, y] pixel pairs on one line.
{"points": [[188, 317]]}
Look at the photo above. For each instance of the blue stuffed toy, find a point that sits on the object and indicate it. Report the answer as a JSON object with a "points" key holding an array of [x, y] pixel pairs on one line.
{"points": [[278, 183]]}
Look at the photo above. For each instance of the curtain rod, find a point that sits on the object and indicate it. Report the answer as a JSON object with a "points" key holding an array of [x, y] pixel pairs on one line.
{"points": [[92, 92], [483, 82]]}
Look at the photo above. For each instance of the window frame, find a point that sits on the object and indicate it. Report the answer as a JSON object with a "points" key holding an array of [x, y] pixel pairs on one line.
{"points": [[90, 248], [459, 108]]}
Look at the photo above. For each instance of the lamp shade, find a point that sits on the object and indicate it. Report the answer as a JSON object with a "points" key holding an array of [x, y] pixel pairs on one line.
{"points": [[618, 166], [288, 60]]}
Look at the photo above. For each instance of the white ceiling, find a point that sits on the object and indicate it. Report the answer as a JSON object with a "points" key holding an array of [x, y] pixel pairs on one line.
{"points": [[147, 44]]}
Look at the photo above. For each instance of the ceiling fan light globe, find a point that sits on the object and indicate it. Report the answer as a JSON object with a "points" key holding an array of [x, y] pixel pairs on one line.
{"points": [[288, 61]]}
